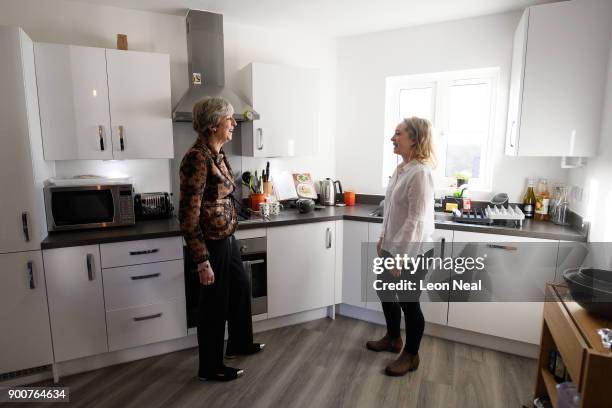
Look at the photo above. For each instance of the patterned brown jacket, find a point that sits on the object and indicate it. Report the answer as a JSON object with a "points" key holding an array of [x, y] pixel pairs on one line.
{"points": [[206, 209]]}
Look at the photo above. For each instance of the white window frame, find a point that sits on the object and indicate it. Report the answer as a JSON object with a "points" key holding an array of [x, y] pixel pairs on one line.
{"points": [[440, 82]]}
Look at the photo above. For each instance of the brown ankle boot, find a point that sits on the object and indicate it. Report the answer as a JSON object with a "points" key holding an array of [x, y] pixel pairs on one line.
{"points": [[387, 343], [404, 363]]}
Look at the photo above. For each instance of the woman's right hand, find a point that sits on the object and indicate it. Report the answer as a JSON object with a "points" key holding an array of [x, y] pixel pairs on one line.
{"points": [[379, 247], [207, 276]]}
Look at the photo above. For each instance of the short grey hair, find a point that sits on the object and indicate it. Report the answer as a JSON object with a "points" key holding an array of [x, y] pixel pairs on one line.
{"points": [[208, 112]]}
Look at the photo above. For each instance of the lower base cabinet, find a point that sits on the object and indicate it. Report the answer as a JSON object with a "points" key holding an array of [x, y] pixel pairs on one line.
{"points": [[138, 301], [25, 338], [147, 324], [514, 277], [76, 301], [301, 267]]}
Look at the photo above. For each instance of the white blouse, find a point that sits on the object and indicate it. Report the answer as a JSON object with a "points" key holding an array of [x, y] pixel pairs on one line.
{"points": [[408, 218]]}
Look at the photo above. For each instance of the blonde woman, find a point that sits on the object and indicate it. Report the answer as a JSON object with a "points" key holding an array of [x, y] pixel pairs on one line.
{"points": [[408, 224]]}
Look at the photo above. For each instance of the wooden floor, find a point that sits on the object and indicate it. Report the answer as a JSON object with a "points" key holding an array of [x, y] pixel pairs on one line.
{"points": [[318, 364]]}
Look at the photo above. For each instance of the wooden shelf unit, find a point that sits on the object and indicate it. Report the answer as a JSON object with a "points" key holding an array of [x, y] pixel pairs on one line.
{"points": [[570, 330]]}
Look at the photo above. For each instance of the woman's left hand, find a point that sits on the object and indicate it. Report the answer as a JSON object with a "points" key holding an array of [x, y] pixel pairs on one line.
{"points": [[395, 272]]}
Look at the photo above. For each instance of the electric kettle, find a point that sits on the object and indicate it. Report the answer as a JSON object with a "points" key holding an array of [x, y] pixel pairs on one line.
{"points": [[328, 191]]}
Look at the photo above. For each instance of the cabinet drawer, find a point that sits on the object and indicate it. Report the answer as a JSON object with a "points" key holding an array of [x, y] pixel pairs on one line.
{"points": [[568, 340], [139, 285], [144, 325], [139, 252]]}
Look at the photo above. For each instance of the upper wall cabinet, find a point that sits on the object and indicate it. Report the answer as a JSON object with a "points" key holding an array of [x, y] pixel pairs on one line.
{"points": [[287, 100], [559, 65], [103, 104]]}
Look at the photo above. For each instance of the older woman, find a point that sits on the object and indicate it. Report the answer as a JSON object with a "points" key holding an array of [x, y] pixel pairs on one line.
{"points": [[407, 227], [208, 221]]}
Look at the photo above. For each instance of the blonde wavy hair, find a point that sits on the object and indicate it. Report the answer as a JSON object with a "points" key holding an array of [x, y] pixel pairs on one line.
{"points": [[419, 131]]}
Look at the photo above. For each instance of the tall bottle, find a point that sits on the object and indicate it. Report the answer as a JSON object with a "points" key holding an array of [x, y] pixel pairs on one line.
{"points": [[542, 201], [529, 200]]}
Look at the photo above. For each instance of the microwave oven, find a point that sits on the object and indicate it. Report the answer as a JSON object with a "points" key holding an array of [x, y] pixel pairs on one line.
{"points": [[88, 206]]}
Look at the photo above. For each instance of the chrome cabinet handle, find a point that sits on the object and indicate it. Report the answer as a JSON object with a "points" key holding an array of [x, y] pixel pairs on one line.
{"points": [[153, 275], [24, 226], [121, 138], [31, 275], [328, 237], [101, 136], [260, 139], [505, 247], [145, 252], [153, 316], [89, 262]]}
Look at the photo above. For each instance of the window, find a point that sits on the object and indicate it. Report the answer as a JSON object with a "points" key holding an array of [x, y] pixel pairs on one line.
{"points": [[461, 108]]}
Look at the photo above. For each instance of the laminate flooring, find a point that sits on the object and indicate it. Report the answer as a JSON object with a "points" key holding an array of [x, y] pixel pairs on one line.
{"points": [[322, 363]]}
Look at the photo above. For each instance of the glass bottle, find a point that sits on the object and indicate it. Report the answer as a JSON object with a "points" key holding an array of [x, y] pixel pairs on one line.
{"points": [[529, 200], [542, 201]]}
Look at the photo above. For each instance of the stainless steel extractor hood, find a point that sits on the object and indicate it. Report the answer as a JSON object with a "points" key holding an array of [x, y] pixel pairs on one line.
{"points": [[207, 67]]}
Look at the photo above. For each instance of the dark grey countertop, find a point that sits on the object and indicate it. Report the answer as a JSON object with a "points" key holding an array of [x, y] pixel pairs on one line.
{"points": [[169, 227], [361, 212]]}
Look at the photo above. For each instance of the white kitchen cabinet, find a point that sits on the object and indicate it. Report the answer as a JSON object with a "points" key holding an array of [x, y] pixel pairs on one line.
{"points": [[559, 64], [19, 124], [354, 260], [98, 103], [516, 268], [301, 267], [140, 107], [76, 301], [73, 95], [433, 305], [24, 319], [147, 324], [287, 100]]}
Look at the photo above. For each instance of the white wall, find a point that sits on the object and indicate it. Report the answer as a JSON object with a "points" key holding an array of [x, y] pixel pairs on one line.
{"points": [[598, 174], [77, 23], [364, 61]]}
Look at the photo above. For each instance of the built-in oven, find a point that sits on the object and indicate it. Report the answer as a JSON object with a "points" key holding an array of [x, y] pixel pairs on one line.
{"points": [[253, 254]]}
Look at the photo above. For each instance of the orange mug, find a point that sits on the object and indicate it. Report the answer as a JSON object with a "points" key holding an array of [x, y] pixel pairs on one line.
{"points": [[349, 198], [257, 199]]}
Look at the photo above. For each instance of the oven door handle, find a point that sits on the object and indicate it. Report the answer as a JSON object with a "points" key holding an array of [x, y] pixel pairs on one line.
{"points": [[255, 262]]}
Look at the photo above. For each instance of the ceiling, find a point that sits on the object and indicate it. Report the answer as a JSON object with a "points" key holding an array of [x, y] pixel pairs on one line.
{"points": [[330, 17]]}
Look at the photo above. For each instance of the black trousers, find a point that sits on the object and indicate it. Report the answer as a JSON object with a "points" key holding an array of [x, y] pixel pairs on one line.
{"points": [[394, 303], [228, 299]]}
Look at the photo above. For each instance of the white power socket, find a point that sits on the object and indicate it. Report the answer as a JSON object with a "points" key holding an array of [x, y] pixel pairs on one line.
{"points": [[577, 194]]}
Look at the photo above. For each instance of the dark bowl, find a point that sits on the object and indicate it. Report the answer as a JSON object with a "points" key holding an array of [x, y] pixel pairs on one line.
{"points": [[591, 289], [305, 205]]}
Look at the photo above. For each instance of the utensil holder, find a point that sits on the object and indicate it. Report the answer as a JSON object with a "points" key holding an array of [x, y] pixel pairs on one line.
{"points": [[267, 187], [255, 199]]}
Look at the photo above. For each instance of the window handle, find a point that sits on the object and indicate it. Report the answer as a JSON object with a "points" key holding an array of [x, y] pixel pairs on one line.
{"points": [[513, 133]]}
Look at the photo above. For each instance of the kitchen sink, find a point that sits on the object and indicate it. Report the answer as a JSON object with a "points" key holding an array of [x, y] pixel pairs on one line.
{"points": [[443, 217]]}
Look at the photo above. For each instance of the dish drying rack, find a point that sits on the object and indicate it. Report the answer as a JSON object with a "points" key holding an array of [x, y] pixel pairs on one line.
{"points": [[500, 213]]}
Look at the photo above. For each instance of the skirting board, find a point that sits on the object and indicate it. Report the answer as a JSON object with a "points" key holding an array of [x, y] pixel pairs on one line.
{"points": [[448, 333]]}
